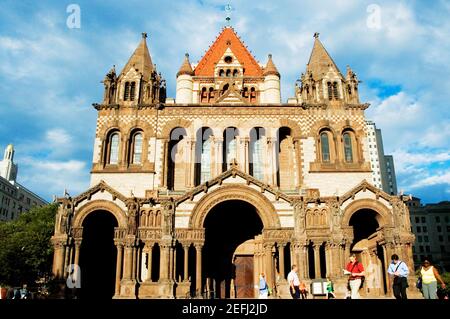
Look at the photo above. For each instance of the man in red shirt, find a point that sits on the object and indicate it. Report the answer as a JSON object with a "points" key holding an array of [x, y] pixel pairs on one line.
{"points": [[355, 270]]}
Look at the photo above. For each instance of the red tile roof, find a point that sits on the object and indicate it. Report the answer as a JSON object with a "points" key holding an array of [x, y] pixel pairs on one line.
{"points": [[227, 38]]}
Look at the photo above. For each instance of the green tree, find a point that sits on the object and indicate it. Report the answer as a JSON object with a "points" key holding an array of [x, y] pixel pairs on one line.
{"points": [[26, 253]]}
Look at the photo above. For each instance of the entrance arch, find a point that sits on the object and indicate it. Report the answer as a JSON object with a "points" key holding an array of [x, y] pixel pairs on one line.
{"points": [[98, 255], [229, 266], [264, 207], [368, 245]]}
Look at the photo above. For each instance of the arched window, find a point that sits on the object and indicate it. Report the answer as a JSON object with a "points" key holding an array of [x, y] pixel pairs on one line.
{"points": [[228, 74], [177, 159], [252, 95], [245, 93], [330, 91], [225, 88], [285, 159], [348, 149], [203, 155], [126, 94], [349, 89], [211, 95], [335, 91], [235, 73], [256, 149], [229, 146], [204, 96], [325, 147], [136, 148], [113, 151], [221, 72], [132, 90]]}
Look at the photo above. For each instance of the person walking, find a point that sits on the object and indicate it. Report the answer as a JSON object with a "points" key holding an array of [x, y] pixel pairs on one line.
{"points": [[355, 270], [294, 282], [330, 289], [398, 270], [263, 288], [430, 276]]}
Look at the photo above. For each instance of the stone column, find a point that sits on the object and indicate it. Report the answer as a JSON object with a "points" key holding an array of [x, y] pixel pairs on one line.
{"points": [[191, 162], [118, 268], [143, 270], [275, 167], [165, 162], [128, 262], [387, 255], [281, 256], [268, 176], [317, 261], [77, 251], [62, 254], [149, 263], [306, 261], [347, 252], [186, 262], [198, 249], [219, 155], [298, 161], [66, 260], [174, 263], [245, 161], [134, 263], [328, 260], [164, 262], [269, 264]]}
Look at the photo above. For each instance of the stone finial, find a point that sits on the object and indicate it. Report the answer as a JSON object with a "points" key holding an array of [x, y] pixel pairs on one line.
{"points": [[144, 35], [316, 35]]}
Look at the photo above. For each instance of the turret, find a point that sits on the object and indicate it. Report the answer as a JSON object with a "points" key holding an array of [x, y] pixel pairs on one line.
{"points": [[272, 94], [139, 81], [184, 82], [8, 169], [351, 87]]}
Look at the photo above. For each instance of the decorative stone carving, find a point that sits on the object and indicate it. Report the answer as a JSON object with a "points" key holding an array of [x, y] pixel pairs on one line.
{"points": [[133, 214]]}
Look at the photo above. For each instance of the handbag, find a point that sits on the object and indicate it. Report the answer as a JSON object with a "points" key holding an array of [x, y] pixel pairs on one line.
{"points": [[363, 278], [419, 283]]}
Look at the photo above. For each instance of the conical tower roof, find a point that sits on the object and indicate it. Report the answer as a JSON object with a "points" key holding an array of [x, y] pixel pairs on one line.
{"points": [[140, 59], [320, 61], [270, 68], [186, 67]]}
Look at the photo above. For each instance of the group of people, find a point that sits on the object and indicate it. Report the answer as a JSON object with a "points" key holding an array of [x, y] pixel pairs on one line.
{"points": [[398, 272], [18, 293]]}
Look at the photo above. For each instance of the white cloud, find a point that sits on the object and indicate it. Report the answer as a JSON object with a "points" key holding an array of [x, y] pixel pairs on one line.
{"points": [[441, 178], [51, 177], [58, 137]]}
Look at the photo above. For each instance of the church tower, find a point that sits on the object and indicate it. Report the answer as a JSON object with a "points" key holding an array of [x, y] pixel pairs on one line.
{"points": [[8, 169]]}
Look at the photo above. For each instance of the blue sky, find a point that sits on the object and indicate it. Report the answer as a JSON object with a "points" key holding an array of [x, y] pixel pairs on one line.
{"points": [[50, 74]]}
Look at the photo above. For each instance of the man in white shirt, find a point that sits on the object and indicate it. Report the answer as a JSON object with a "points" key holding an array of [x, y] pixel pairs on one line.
{"points": [[294, 283]]}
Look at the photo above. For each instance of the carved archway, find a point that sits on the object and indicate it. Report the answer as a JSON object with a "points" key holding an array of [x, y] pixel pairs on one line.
{"points": [[295, 129], [384, 214], [167, 129], [264, 207], [99, 205]]}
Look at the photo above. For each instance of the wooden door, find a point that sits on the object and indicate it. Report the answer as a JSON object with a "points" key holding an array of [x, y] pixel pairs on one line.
{"points": [[244, 277]]}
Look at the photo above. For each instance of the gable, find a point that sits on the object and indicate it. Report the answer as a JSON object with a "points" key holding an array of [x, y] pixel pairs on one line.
{"points": [[227, 39]]}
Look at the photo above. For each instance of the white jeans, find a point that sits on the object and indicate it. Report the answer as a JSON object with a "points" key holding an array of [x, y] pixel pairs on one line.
{"points": [[263, 295], [354, 286]]}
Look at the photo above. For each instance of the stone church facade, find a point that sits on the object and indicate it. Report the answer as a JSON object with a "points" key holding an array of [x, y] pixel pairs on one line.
{"points": [[199, 194]]}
